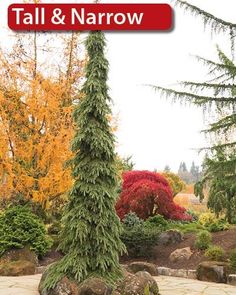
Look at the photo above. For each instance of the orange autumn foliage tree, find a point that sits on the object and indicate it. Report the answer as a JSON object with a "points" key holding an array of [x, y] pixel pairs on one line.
{"points": [[39, 81]]}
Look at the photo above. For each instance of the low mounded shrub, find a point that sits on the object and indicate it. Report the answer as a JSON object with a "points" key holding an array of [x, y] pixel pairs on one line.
{"points": [[19, 227], [232, 259], [190, 227], [218, 225], [139, 240], [203, 240], [206, 219], [215, 253], [212, 223], [157, 221], [131, 219]]}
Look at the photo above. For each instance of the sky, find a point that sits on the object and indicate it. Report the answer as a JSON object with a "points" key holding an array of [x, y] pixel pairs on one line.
{"points": [[151, 129]]}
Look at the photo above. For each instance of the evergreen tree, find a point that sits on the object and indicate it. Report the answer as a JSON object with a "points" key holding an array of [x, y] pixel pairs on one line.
{"points": [[218, 97], [184, 167], [184, 174], [195, 172], [125, 164], [193, 168], [90, 238], [222, 187], [167, 168]]}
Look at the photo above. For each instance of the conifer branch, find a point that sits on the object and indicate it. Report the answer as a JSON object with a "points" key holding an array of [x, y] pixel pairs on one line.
{"points": [[200, 86], [192, 97], [216, 24]]}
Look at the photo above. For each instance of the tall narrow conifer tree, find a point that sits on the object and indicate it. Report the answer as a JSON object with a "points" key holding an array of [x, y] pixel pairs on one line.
{"points": [[91, 235], [218, 96]]}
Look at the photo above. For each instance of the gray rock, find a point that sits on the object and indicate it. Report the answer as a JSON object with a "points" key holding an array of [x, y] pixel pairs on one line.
{"points": [[94, 286], [91, 286], [192, 274], [232, 279], [170, 237], [213, 271], [134, 267], [132, 284], [180, 273], [63, 287], [164, 271], [138, 284]]}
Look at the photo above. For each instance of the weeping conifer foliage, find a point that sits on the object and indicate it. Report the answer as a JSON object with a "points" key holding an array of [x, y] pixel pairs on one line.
{"points": [[91, 235], [217, 97]]}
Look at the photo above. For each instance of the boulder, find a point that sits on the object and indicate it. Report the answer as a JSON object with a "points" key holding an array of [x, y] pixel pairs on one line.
{"points": [[164, 271], [142, 266], [183, 254], [132, 284], [192, 274], [94, 286], [213, 271], [170, 237], [63, 287], [232, 279], [180, 273], [90, 286], [139, 284], [17, 268], [24, 254]]}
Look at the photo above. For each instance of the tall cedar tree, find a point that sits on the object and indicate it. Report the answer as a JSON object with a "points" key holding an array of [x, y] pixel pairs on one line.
{"points": [[91, 235], [217, 96]]}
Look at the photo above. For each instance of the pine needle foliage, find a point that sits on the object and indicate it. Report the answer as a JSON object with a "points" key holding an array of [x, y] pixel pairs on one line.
{"points": [[216, 97], [219, 176], [91, 235], [215, 24]]}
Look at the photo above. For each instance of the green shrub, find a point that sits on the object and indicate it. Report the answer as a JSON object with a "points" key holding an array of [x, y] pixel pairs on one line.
{"points": [[19, 227], [218, 225], [139, 240], [194, 215], [157, 221], [215, 253], [191, 227], [232, 259], [207, 218], [203, 240], [131, 220], [233, 220], [54, 228], [18, 199]]}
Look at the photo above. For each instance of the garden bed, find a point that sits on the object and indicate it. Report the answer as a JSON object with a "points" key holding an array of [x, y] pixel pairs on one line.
{"points": [[225, 239]]}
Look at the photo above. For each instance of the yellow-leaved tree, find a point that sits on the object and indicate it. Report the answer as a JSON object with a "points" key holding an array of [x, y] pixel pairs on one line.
{"points": [[39, 82]]}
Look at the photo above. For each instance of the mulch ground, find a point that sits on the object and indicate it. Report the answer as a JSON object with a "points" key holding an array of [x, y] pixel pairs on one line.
{"points": [[224, 239]]}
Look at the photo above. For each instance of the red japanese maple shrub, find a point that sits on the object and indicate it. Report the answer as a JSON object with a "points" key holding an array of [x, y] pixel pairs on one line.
{"points": [[147, 194]]}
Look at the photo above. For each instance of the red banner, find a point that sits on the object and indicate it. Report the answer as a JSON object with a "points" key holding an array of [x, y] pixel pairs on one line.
{"points": [[82, 17]]}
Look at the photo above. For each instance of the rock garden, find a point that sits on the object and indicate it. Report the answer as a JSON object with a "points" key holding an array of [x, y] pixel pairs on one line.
{"points": [[78, 219]]}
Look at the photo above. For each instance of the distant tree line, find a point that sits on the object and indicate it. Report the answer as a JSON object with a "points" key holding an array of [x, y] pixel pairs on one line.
{"points": [[192, 175]]}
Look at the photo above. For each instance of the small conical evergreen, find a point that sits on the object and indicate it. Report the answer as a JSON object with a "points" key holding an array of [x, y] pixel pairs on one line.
{"points": [[91, 235]]}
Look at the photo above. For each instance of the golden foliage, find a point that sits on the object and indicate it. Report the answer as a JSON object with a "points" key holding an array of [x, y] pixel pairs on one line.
{"points": [[37, 93], [176, 183]]}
